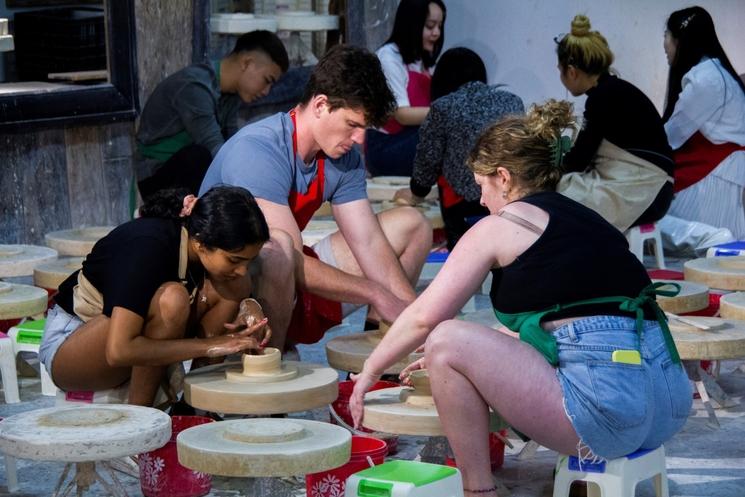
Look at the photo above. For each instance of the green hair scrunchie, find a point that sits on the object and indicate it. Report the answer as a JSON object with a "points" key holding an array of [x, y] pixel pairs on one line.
{"points": [[559, 148]]}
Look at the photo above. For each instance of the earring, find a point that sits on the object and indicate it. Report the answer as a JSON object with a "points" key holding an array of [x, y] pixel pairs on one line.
{"points": [[504, 194]]}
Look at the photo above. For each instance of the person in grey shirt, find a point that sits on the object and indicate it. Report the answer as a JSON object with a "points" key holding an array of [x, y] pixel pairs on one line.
{"points": [[191, 113], [463, 106]]}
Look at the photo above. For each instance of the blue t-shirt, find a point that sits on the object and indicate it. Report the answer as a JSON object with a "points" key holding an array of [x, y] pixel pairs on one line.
{"points": [[260, 159]]}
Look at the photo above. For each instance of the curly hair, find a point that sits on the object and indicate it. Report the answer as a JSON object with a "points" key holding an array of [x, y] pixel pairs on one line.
{"points": [[584, 49], [525, 146], [351, 77]]}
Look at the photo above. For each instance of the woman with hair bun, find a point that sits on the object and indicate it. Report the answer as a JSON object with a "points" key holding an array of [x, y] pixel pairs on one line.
{"points": [[584, 363], [153, 284], [620, 165]]}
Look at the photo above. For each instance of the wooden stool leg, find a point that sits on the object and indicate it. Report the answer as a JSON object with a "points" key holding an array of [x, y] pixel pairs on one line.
{"points": [[11, 473]]}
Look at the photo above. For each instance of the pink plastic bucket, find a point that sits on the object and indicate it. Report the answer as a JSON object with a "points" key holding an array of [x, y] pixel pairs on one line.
{"points": [[331, 483], [341, 407], [161, 475]]}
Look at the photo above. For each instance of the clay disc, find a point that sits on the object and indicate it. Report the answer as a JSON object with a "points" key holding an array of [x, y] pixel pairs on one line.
{"points": [[20, 260], [386, 411], [726, 273], [20, 301], [349, 352], [286, 373], [77, 242], [52, 274], [692, 297], [385, 187], [264, 447], [732, 306], [430, 211], [209, 389], [84, 433], [725, 340]]}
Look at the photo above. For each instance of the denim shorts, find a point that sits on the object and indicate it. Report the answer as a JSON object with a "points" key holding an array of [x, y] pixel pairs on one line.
{"points": [[618, 408], [58, 327]]}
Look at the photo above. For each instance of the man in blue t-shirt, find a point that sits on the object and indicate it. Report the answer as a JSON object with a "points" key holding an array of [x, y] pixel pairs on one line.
{"points": [[294, 162]]}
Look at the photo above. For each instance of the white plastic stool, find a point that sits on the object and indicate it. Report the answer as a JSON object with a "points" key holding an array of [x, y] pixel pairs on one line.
{"points": [[640, 234], [27, 337], [616, 477], [8, 370]]}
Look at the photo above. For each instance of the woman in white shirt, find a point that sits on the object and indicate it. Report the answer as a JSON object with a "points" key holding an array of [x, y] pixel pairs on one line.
{"points": [[705, 124], [408, 58]]}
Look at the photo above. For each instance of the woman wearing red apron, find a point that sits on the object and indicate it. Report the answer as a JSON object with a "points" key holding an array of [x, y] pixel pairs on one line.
{"points": [[407, 59], [705, 124]]}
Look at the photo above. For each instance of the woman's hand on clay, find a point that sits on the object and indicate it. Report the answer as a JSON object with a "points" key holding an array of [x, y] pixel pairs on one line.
{"points": [[232, 343], [405, 375], [363, 382], [250, 313]]}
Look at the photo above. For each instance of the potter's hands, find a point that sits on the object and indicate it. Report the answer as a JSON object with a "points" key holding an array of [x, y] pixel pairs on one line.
{"points": [[405, 375], [363, 382], [235, 342], [404, 196], [387, 305], [250, 314]]}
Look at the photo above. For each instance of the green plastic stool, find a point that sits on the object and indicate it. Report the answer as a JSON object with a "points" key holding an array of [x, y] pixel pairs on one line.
{"points": [[405, 479]]}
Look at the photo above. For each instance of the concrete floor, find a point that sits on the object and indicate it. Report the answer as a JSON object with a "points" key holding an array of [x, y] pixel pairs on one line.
{"points": [[700, 461]]}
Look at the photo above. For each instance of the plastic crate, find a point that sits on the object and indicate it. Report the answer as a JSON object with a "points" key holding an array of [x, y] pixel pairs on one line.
{"points": [[59, 40]]}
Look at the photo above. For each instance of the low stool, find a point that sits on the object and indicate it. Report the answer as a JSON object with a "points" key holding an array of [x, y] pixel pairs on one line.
{"points": [[27, 337], [8, 370], [638, 235], [614, 477]]}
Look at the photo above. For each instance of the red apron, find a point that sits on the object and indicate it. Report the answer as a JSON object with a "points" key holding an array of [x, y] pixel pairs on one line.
{"points": [[312, 315], [697, 158]]}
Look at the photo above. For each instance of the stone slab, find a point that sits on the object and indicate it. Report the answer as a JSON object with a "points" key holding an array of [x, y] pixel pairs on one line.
{"points": [[724, 340], [20, 301], [76, 242], [726, 273], [692, 297], [20, 260], [52, 274]]}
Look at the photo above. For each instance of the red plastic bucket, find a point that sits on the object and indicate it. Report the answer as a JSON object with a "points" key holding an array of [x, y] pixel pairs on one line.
{"points": [[341, 407], [496, 452], [331, 483], [161, 475]]}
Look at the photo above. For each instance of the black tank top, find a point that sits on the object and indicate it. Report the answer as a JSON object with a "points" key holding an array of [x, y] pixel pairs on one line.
{"points": [[579, 256]]}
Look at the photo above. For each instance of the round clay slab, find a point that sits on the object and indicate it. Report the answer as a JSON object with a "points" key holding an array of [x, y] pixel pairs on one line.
{"points": [[20, 260], [349, 352], [52, 274], [264, 447], [76, 242], [692, 297], [20, 301], [726, 273], [724, 340], [306, 21], [386, 411], [84, 433], [732, 306], [209, 389]]}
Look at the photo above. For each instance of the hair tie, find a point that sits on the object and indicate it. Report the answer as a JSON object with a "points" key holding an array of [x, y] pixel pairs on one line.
{"points": [[189, 202], [559, 147]]}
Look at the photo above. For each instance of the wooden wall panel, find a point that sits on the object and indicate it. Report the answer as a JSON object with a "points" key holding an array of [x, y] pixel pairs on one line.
{"points": [[85, 177]]}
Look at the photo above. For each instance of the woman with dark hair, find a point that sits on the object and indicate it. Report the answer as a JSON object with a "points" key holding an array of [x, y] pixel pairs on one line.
{"points": [[408, 58], [705, 124], [150, 286], [462, 106], [620, 164]]}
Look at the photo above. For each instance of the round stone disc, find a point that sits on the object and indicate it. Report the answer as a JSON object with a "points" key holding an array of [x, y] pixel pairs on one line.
{"points": [[692, 297], [349, 352], [726, 273], [398, 181], [20, 260], [52, 274], [20, 301], [84, 433], [76, 242], [386, 411], [724, 340], [285, 373], [732, 306], [264, 447], [210, 389]]}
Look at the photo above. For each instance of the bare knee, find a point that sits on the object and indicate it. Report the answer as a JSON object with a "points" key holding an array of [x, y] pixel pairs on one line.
{"points": [[406, 225], [170, 306], [439, 346]]}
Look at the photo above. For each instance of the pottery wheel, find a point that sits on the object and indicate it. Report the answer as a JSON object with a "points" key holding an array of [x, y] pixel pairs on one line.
{"points": [[431, 211], [52, 274], [385, 187], [724, 340], [732, 306], [20, 260], [20, 301], [692, 297], [400, 411], [264, 447], [77, 242], [213, 389], [84, 433], [349, 352], [726, 273]]}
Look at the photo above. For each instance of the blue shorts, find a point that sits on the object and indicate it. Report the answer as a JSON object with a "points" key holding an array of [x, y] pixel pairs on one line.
{"points": [[618, 408], [58, 327]]}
